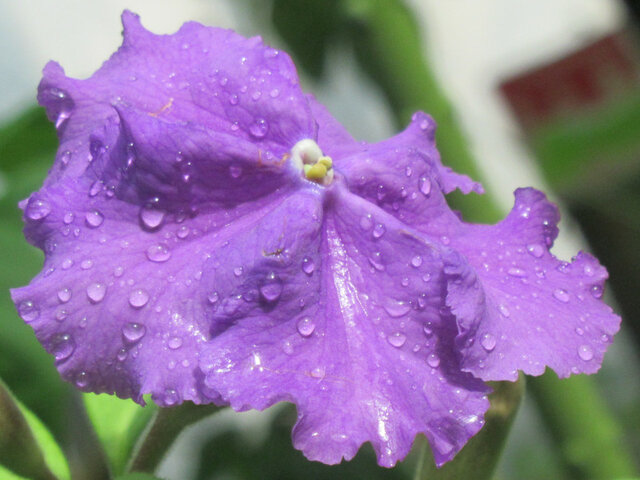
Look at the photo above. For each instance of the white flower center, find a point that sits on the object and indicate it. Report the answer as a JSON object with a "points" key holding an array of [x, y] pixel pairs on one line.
{"points": [[307, 157]]}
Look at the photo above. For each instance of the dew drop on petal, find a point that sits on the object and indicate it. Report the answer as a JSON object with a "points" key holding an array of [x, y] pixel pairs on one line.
{"points": [[151, 218], [96, 292], [94, 219], [182, 232], [378, 230], [37, 209], [416, 261], [67, 263], [433, 360], [28, 311], [424, 184], [306, 326], [68, 218], [517, 272], [596, 291], [82, 380], [62, 346], [133, 332], [308, 266], [535, 250], [504, 310], [64, 295], [213, 297], [271, 289], [488, 342], [96, 188], [397, 339], [158, 253], [318, 372], [259, 128], [585, 352], [174, 343], [366, 222], [138, 298], [561, 295], [397, 309], [122, 355]]}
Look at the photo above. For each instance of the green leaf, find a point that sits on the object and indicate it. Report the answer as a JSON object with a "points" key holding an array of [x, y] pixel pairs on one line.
{"points": [[118, 423], [26, 446], [137, 476]]}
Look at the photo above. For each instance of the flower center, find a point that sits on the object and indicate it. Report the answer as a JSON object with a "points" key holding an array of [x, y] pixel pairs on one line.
{"points": [[307, 157]]}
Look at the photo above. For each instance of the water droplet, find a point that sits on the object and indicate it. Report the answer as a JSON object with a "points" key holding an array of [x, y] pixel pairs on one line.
{"points": [[37, 209], [428, 331], [596, 291], [237, 271], [397, 309], [585, 352], [272, 288], [259, 128], [68, 218], [378, 230], [416, 261], [28, 311], [397, 339], [407, 171], [504, 310], [213, 297], [235, 171], [306, 326], [96, 292], [138, 298], [318, 372], [366, 222], [174, 343], [61, 315], [535, 250], [488, 342], [308, 266], [67, 263], [158, 253], [118, 272], [62, 346], [376, 261], [404, 282], [182, 232], [121, 355], [561, 295], [171, 397], [424, 185], [579, 331], [233, 99], [96, 188], [64, 295], [86, 264], [151, 218], [433, 360], [133, 332], [82, 380], [94, 219], [517, 272]]}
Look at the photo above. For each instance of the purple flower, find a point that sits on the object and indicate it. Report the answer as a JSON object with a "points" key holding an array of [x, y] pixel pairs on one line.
{"points": [[212, 234]]}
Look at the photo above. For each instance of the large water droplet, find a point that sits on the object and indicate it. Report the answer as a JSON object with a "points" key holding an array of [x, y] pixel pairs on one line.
{"points": [[94, 218], [397, 339], [488, 342], [68, 218], [64, 295], [271, 289], [378, 230], [561, 295], [397, 309], [133, 332], [433, 360], [306, 326], [158, 253], [62, 346], [151, 218], [416, 261], [259, 128], [28, 311], [96, 188], [96, 292], [37, 209], [308, 266], [535, 250], [213, 298], [425, 185], [82, 380], [596, 291], [138, 298], [585, 352], [174, 343]]}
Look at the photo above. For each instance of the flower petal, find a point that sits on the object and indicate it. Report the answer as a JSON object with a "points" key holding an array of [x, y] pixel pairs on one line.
{"points": [[208, 76], [520, 308], [363, 345]]}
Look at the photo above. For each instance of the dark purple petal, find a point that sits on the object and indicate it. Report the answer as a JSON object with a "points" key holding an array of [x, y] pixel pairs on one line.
{"points": [[361, 342], [519, 307]]}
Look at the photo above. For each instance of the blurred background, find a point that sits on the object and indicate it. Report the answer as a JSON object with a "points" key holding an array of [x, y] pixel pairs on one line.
{"points": [[543, 93]]}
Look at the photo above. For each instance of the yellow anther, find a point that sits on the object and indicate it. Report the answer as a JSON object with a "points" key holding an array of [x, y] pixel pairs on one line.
{"points": [[326, 161], [316, 172]]}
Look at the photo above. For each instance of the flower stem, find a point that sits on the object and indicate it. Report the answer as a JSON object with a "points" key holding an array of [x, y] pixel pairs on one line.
{"points": [[162, 431], [480, 456]]}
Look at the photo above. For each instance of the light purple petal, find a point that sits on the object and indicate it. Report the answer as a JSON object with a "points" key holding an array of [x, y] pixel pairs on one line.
{"points": [[522, 308], [363, 344]]}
